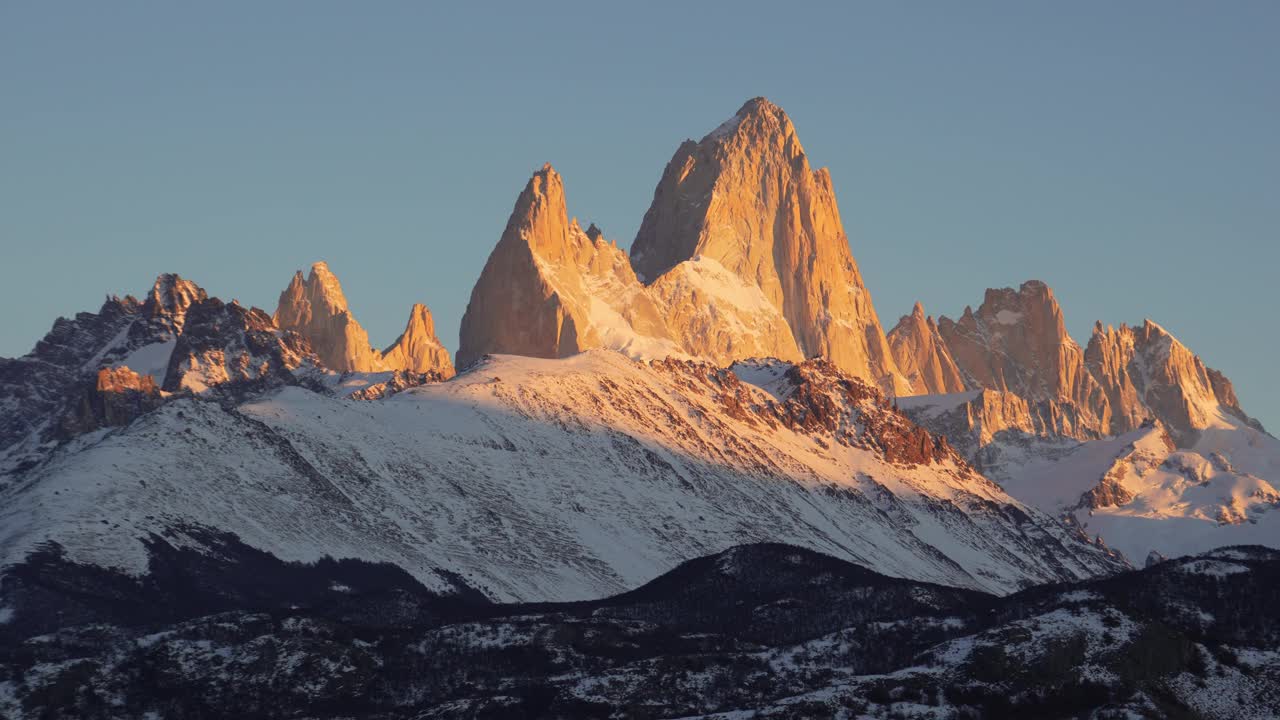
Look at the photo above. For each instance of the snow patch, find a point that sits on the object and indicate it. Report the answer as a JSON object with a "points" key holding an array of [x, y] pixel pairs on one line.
{"points": [[150, 360], [1008, 317]]}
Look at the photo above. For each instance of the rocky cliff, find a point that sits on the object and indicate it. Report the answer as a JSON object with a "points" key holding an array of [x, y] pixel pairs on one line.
{"points": [[228, 344], [418, 350], [923, 356], [1148, 373], [530, 298], [746, 197], [315, 307], [1017, 342], [551, 289]]}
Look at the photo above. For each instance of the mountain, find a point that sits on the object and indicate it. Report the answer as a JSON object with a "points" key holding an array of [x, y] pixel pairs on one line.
{"points": [[923, 356], [549, 290], [746, 197], [762, 630], [106, 368], [1146, 372], [530, 478], [418, 350], [1133, 439], [1141, 493], [316, 308], [693, 480], [741, 255], [1017, 342]]}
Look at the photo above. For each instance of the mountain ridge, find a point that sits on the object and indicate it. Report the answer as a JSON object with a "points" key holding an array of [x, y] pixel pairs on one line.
{"points": [[741, 270]]}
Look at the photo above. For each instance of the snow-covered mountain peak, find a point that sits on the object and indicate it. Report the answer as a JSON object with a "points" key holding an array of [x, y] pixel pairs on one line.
{"points": [[545, 478], [1146, 372]]}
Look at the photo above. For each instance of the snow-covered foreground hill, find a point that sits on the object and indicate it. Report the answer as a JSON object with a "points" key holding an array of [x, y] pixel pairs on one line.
{"points": [[545, 479]]}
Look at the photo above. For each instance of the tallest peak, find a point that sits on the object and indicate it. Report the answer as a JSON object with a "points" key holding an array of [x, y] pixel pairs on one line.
{"points": [[758, 117], [758, 105], [746, 197]]}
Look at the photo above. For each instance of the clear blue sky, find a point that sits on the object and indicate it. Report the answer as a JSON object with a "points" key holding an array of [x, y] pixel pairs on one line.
{"points": [[1125, 153]]}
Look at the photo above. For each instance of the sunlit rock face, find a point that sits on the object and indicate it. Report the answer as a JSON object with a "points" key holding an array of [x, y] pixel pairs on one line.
{"points": [[745, 197], [530, 298], [922, 355], [551, 289], [418, 349], [1147, 373], [114, 398], [316, 308], [1017, 342]]}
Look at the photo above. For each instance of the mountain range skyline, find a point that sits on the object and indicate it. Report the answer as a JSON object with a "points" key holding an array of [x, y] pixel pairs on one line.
{"points": [[439, 360], [956, 170]]}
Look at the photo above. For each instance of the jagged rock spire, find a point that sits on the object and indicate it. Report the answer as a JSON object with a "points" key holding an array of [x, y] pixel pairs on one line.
{"points": [[1016, 344], [1017, 341], [316, 308], [746, 197], [170, 297], [922, 355], [1146, 372], [516, 307], [550, 289], [418, 349]]}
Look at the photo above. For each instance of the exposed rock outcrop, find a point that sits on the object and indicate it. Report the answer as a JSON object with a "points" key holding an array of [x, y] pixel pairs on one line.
{"points": [[316, 309], [550, 289], [922, 355], [58, 378], [1017, 342], [397, 382], [1146, 372], [418, 350], [979, 422], [113, 399], [1039, 384], [169, 299], [229, 344], [530, 298], [746, 197]]}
